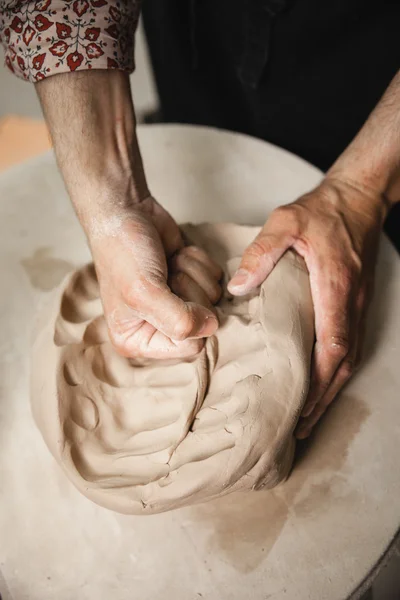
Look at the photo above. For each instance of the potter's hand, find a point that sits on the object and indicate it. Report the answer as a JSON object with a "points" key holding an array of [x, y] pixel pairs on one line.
{"points": [[145, 317], [335, 228], [92, 123]]}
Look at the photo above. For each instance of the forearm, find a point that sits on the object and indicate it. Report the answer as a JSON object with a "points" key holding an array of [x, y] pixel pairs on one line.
{"points": [[92, 123], [372, 160]]}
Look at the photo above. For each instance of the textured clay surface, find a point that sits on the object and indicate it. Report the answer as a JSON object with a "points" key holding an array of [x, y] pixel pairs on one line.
{"points": [[144, 437]]}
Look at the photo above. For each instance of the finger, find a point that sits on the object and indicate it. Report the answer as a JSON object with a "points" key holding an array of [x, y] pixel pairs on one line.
{"points": [[313, 412], [159, 306], [199, 273], [145, 341], [348, 366], [262, 255], [332, 293], [350, 362], [167, 229], [171, 237], [183, 286], [201, 255]]}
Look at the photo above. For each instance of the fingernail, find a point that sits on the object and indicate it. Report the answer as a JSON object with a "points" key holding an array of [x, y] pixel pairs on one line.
{"points": [[209, 327], [239, 279]]}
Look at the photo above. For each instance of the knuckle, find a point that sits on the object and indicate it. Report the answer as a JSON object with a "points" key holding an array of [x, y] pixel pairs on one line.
{"points": [[131, 295], [180, 278], [182, 260], [191, 250], [257, 248], [183, 328], [183, 252], [215, 293], [118, 341], [283, 211], [338, 346], [135, 294], [291, 215], [193, 347], [177, 282]]}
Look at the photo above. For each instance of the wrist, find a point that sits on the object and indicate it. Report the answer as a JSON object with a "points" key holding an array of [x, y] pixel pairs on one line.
{"points": [[382, 187], [371, 161], [106, 202], [357, 195], [370, 189]]}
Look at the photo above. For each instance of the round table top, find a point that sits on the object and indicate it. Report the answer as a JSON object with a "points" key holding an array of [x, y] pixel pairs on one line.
{"points": [[318, 536]]}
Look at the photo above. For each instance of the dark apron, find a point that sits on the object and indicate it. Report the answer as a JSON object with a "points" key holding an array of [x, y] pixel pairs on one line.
{"points": [[302, 74]]}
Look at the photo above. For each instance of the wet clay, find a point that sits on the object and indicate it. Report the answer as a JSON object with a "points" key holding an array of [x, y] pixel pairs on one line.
{"points": [[148, 436]]}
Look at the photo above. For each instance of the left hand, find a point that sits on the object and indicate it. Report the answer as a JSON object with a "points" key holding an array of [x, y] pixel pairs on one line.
{"points": [[335, 228]]}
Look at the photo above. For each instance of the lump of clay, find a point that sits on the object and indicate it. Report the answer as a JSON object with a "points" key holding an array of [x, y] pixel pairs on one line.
{"points": [[145, 437]]}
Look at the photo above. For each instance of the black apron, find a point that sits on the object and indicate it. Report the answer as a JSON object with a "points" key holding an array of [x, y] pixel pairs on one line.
{"points": [[302, 74]]}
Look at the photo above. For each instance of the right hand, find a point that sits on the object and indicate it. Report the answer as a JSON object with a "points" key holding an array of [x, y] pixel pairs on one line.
{"points": [[144, 317]]}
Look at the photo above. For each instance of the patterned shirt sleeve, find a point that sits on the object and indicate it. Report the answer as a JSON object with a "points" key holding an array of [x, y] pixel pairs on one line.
{"points": [[46, 37]]}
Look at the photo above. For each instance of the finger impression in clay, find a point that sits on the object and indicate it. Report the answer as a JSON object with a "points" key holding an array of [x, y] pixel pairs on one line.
{"points": [[148, 437]]}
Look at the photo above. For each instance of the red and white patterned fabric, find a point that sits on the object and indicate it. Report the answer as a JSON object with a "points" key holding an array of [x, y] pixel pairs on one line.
{"points": [[46, 37]]}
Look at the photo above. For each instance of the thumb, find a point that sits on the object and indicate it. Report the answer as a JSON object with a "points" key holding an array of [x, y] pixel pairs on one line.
{"points": [[175, 318], [258, 261]]}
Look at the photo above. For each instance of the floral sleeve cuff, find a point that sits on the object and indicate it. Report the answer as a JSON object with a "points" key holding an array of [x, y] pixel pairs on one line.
{"points": [[46, 37]]}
